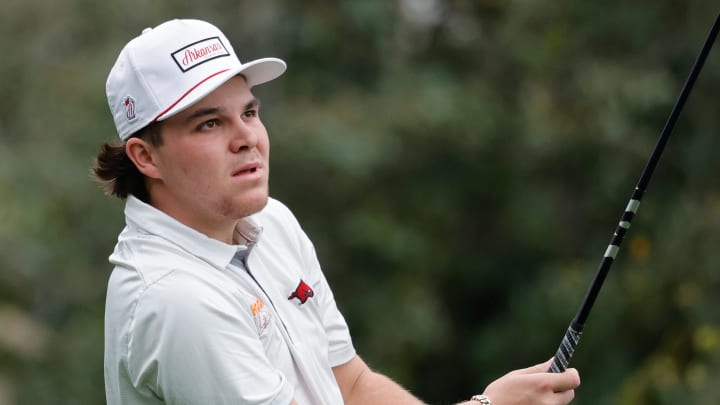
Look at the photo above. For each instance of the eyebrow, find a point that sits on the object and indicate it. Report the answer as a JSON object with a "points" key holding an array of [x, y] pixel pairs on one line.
{"points": [[254, 103]]}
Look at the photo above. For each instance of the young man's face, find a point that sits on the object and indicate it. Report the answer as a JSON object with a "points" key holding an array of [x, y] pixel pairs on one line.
{"points": [[213, 165]]}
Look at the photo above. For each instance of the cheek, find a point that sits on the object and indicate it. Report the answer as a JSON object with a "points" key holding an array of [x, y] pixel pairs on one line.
{"points": [[264, 144], [187, 164], [189, 170]]}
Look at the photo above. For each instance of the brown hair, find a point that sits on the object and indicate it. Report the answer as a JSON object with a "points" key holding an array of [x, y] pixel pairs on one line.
{"points": [[117, 173]]}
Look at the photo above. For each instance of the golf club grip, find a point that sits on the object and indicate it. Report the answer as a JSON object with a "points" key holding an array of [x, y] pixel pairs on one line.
{"points": [[567, 348]]}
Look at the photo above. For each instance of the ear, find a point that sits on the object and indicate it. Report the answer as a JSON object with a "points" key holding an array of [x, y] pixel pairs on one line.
{"points": [[141, 154]]}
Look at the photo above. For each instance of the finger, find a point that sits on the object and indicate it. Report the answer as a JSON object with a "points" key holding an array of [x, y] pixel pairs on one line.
{"points": [[565, 397], [565, 381], [538, 368]]}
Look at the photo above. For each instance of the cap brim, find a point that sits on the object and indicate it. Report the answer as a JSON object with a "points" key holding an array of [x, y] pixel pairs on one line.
{"points": [[255, 72], [262, 70]]}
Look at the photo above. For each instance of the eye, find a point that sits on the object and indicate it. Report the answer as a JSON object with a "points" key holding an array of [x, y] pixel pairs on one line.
{"points": [[209, 124], [250, 113]]}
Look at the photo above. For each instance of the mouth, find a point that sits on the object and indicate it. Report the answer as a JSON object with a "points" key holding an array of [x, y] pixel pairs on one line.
{"points": [[248, 169]]}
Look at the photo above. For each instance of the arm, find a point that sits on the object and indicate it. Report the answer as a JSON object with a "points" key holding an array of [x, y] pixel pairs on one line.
{"points": [[533, 385], [360, 385]]}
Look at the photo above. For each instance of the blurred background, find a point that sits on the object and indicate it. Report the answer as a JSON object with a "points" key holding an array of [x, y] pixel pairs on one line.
{"points": [[459, 164]]}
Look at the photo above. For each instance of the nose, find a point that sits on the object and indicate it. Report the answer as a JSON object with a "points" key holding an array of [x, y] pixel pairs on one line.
{"points": [[243, 136]]}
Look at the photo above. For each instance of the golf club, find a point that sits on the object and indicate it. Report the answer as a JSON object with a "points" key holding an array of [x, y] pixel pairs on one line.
{"points": [[574, 331]]}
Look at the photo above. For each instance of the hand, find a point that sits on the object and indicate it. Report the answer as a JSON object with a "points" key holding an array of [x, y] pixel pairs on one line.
{"points": [[534, 385]]}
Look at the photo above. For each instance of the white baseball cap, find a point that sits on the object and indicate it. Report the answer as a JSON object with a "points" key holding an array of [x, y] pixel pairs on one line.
{"points": [[172, 66]]}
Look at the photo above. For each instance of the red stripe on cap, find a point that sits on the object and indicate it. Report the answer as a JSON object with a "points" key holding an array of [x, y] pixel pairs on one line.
{"points": [[188, 92]]}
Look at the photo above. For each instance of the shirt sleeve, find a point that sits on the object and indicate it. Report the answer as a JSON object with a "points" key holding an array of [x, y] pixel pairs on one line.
{"points": [[192, 343]]}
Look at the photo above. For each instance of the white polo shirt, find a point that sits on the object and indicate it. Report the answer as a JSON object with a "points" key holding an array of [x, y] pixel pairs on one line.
{"points": [[192, 320]]}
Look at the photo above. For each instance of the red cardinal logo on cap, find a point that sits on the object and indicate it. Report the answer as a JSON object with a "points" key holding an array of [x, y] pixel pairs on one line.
{"points": [[302, 292], [129, 105]]}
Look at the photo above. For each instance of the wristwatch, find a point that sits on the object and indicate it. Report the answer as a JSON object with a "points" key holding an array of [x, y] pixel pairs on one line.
{"points": [[484, 399]]}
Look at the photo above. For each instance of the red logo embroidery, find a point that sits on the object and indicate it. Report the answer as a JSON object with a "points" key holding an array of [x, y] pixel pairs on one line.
{"points": [[302, 292], [129, 105]]}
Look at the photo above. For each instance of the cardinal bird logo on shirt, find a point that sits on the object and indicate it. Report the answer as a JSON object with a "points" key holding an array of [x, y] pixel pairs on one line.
{"points": [[302, 292]]}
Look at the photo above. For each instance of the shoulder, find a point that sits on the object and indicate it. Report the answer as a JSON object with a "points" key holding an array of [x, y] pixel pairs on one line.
{"points": [[154, 275], [188, 297], [283, 239], [176, 287], [151, 257], [276, 211], [277, 220]]}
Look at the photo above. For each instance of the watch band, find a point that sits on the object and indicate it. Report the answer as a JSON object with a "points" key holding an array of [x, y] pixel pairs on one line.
{"points": [[484, 399]]}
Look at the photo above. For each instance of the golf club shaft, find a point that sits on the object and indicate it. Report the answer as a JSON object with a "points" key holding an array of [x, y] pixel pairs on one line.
{"points": [[574, 331]]}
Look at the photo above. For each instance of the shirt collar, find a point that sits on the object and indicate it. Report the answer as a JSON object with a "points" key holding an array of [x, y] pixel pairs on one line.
{"points": [[151, 220]]}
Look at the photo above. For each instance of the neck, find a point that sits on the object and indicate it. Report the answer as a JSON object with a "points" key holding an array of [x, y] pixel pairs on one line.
{"points": [[216, 227]]}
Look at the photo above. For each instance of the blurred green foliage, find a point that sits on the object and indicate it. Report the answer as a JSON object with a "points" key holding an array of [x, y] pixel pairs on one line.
{"points": [[459, 164]]}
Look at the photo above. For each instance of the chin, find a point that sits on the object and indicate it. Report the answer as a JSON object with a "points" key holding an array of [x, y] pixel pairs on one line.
{"points": [[260, 204], [248, 205]]}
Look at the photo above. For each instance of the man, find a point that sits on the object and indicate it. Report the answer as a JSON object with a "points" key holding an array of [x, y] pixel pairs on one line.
{"points": [[217, 296]]}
